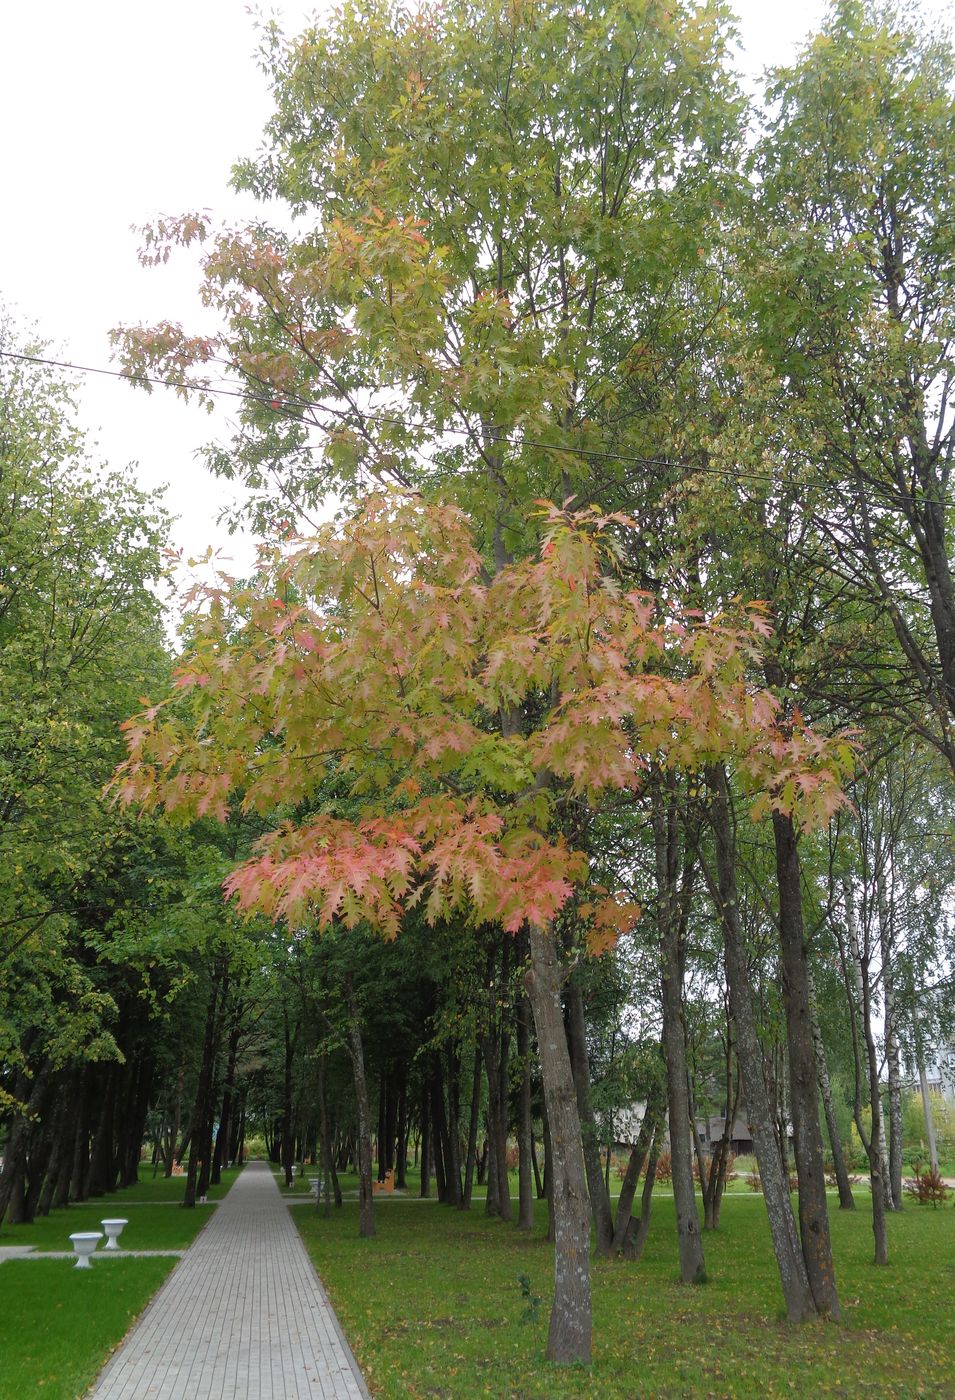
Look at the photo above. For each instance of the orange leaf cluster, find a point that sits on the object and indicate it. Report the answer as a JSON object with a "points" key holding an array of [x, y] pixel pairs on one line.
{"points": [[376, 655]]}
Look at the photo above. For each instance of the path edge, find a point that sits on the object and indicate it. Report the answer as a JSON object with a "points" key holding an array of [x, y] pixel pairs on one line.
{"points": [[349, 1354]]}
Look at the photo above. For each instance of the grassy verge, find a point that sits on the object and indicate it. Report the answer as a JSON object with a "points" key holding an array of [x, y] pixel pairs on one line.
{"points": [[433, 1307], [58, 1325]]}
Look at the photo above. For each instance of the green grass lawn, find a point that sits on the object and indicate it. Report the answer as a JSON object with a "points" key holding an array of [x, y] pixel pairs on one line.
{"points": [[150, 1207], [433, 1308], [59, 1324]]}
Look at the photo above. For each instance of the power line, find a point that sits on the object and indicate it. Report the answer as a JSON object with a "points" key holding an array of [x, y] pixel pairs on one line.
{"points": [[281, 401]]}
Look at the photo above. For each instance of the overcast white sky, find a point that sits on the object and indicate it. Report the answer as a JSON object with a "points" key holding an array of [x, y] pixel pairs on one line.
{"points": [[114, 111]]}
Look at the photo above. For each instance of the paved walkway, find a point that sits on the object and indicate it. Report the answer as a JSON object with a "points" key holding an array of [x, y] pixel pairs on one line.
{"points": [[243, 1316]]}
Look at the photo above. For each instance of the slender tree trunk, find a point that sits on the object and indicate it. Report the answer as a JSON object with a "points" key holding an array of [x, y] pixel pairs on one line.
{"points": [[872, 1143], [846, 1199], [401, 1142], [366, 1207], [288, 1132], [176, 1125], [201, 1111], [439, 1137], [538, 1180], [548, 1171], [653, 1117], [569, 1332], [637, 1231], [804, 1098], [425, 1113], [926, 1113], [455, 1190], [580, 1063], [102, 1178], [325, 1140], [692, 1264], [892, 1056], [525, 1214], [471, 1163], [498, 1191], [800, 1304], [224, 1135]]}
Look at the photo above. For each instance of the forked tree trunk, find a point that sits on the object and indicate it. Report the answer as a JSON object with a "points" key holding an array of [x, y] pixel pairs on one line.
{"points": [[569, 1332], [653, 1117], [636, 1236]]}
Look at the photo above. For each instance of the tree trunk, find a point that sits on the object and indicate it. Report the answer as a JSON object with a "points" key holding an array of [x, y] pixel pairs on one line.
{"points": [[926, 1113], [425, 1191], [580, 1064], [846, 1199], [653, 1117], [288, 1136], [800, 1304], [499, 1192], [569, 1332], [18, 1136], [892, 1055], [102, 1173], [401, 1135], [476, 1077], [872, 1143], [525, 1189], [666, 850], [637, 1231], [804, 1098], [366, 1207], [202, 1108], [548, 1172]]}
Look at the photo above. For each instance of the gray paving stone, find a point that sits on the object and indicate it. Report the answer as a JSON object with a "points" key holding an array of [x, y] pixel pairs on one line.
{"points": [[242, 1316]]}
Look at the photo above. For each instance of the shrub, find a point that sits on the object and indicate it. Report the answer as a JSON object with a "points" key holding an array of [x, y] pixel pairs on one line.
{"points": [[927, 1188], [664, 1171], [730, 1174], [753, 1181]]}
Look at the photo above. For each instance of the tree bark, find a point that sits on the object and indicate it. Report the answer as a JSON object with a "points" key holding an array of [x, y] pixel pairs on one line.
{"points": [[653, 1117], [474, 1119], [800, 1303], [525, 1190], [666, 850], [580, 1063], [425, 1115], [366, 1207], [804, 1098], [846, 1198], [926, 1113], [569, 1331], [872, 1142]]}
